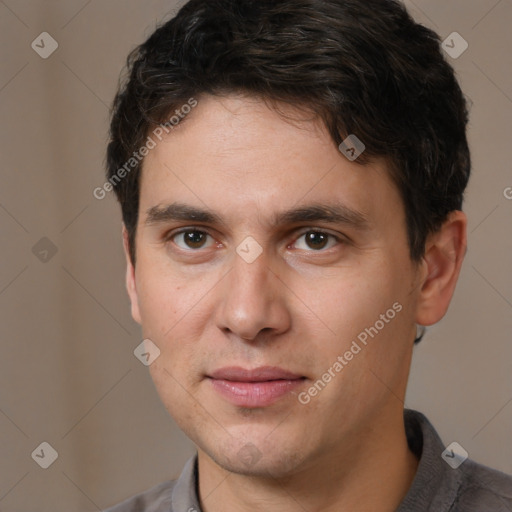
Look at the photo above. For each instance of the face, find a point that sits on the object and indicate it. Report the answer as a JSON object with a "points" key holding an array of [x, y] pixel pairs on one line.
{"points": [[274, 276]]}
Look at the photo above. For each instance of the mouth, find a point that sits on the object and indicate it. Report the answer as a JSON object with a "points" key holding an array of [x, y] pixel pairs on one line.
{"points": [[255, 388]]}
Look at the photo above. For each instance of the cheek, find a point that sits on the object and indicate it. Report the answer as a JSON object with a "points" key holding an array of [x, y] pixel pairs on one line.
{"points": [[164, 300], [361, 313], [352, 300], [174, 314]]}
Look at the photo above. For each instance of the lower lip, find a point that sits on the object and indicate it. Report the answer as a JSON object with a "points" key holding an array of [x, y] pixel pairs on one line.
{"points": [[254, 394]]}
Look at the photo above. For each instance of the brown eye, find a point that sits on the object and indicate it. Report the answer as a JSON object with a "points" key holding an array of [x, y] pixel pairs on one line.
{"points": [[315, 240], [191, 239]]}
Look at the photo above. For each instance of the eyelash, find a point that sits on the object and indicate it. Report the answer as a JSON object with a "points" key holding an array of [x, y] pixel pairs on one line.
{"points": [[169, 237]]}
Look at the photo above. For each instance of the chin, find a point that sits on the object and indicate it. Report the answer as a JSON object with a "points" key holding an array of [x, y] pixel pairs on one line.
{"points": [[257, 458]]}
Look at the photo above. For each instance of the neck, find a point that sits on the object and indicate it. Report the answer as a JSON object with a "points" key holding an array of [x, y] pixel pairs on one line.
{"points": [[373, 471]]}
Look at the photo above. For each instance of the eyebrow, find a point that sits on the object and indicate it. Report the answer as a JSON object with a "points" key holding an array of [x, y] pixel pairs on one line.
{"points": [[331, 213], [180, 212]]}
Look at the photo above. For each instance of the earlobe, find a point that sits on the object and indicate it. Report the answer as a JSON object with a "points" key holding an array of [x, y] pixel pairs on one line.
{"points": [[444, 253], [131, 286]]}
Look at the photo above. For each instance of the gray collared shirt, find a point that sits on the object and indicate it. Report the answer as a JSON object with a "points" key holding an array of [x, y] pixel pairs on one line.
{"points": [[436, 487]]}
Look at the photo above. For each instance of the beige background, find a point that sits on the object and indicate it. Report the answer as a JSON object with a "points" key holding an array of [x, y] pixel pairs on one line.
{"points": [[68, 375]]}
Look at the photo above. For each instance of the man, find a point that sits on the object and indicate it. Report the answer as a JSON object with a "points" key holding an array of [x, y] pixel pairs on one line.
{"points": [[291, 177]]}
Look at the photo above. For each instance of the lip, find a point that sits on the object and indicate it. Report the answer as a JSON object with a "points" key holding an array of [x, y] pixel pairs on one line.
{"points": [[259, 387]]}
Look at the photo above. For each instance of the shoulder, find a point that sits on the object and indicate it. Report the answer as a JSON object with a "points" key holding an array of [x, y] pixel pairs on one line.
{"points": [[156, 499], [437, 487], [483, 488]]}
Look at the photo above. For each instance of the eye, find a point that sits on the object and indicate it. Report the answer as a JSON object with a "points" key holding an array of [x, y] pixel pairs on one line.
{"points": [[191, 239], [316, 240]]}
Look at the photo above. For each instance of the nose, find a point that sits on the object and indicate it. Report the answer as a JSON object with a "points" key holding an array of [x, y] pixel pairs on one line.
{"points": [[253, 300]]}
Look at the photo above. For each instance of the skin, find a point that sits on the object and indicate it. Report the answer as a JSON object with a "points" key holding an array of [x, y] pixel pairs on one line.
{"points": [[298, 306]]}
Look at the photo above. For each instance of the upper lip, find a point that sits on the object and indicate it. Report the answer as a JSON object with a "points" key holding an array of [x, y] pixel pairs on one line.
{"points": [[261, 374]]}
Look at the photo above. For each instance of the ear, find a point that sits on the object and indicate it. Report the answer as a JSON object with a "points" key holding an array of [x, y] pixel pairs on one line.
{"points": [[444, 252], [130, 278]]}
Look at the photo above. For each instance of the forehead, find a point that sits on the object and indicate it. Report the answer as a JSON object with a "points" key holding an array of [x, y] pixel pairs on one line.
{"points": [[238, 155]]}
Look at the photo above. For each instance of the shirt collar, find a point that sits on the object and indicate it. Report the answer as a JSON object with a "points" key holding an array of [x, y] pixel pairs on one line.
{"points": [[185, 492], [435, 485]]}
